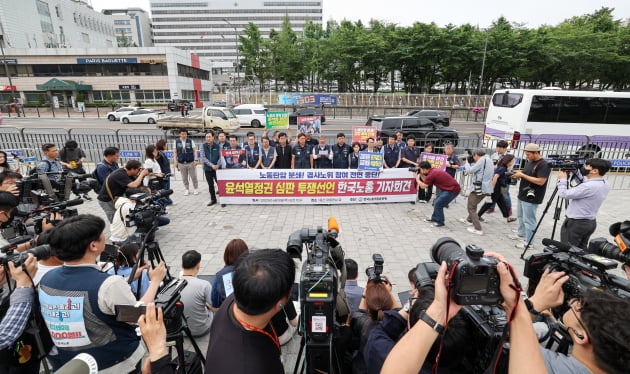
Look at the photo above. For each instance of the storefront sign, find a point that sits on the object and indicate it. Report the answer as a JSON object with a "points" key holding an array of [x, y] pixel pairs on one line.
{"points": [[315, 186], [128, 86], [107, 60], [9, 61], [9, 88]]}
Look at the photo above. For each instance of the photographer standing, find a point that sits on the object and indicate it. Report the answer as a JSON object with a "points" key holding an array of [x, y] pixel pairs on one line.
{"points": [[118, 229], [531, 193], [117, 183], [482, 171], [586, 199]]}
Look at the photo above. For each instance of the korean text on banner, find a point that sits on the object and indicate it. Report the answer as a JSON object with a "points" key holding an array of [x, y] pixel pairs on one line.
{"points": [[277, 120]]}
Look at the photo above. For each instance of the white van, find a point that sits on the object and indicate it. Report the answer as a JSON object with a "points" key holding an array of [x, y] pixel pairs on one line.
{"points": [[251, 115]]}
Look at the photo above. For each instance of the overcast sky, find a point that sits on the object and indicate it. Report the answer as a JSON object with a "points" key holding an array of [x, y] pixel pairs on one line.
{"points": [[532, 13]]}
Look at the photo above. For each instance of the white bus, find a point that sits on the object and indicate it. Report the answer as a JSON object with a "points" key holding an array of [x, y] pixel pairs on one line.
{"points": [[585, 123]]}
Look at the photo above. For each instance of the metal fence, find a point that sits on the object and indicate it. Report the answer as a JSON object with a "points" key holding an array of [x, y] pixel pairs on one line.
{"points": [[132, 143]]}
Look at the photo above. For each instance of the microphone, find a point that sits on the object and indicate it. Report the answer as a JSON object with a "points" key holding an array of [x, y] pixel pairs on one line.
{"points": [[74, 202], [560, 245], [82, 363], [333, 225], [15, 242]]}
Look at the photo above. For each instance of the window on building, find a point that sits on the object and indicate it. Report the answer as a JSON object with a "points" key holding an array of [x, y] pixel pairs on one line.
{"points": [[179, 5], [85, 37], [122, 22], [58, 12], [191, 72]]}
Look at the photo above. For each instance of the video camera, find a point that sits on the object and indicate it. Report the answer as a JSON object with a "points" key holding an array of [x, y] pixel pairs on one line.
{"points": [[146, 209], [31, 222], [570, 163], [323, 274], [621, 232], [585, 270], [474, 276], [38, 189], [41, 252]]}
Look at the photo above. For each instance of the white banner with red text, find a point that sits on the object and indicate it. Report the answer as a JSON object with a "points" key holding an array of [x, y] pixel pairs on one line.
{"points": [[315, 186]]}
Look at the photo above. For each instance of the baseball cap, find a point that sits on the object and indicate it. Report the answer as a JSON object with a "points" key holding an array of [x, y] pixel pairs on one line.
{"points": [[531, 147]]}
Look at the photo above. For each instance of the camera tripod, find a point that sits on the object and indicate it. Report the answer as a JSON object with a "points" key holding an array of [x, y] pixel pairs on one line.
{"points": [[556, 215], [145, 238], [177, 337], [320, 357]]}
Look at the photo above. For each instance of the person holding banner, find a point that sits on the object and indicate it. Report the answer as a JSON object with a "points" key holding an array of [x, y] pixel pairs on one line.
{"points": [[234, 155], [410, 156], [302, 157], [283, 152], [424, 195], [354, 156], [267, 153], [341, 152], [322, 154], [391, 153], [252, 152]]}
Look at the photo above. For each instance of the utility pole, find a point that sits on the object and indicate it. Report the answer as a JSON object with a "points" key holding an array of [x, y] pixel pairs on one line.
{"points": [[238, 62], [483, 65]]}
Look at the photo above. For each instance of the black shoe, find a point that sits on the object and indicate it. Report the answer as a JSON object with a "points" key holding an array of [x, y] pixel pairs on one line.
{"points": [[212, 203]]}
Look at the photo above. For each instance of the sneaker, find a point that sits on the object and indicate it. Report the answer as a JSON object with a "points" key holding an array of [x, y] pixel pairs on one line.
{"points": [[428, 220], [422, 201], [474, 231], [465, 220], [212, 203], [186, 193], [195, 192], [515, 231], [516, 237], [522, 245], [438, 224]]}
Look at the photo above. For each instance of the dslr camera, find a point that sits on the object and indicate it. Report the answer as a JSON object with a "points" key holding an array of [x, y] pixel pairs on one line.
{"points": [[374, 272], [530, 193], [474, 276]]}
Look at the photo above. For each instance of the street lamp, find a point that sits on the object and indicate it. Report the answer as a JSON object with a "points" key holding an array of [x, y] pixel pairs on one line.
{"points": [[238, 63]]}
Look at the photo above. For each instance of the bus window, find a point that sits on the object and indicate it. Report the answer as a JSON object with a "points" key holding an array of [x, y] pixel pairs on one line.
{"points": [[507, 100], [618, 111]]}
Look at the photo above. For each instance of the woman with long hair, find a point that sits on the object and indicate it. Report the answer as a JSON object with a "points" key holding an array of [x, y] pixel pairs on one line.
{"points": [[4, 163]]}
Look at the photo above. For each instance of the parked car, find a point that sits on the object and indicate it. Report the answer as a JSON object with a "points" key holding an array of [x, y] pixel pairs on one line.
{"points": [[141, 116], [215, 118], [437, 116], [115, 115], [254, 115], [422, 128], [174, 106], [220, 103], [306, 111]]}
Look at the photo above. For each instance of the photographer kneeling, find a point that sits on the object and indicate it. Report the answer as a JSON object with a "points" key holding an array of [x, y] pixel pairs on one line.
{"points": [[119, 230]]}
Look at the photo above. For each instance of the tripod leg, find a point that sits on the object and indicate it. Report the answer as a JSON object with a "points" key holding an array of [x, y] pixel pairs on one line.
{"points": [[299, 356], [553, 195]]}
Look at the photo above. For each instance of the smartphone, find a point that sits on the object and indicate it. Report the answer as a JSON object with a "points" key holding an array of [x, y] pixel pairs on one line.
{"points": [[129, 313]]}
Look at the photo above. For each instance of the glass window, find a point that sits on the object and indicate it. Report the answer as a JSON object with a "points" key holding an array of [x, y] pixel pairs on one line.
{"points": [[618, 111], [508, 100]]}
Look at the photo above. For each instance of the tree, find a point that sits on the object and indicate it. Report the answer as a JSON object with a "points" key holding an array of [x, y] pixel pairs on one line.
{"points": [[255, 55]]}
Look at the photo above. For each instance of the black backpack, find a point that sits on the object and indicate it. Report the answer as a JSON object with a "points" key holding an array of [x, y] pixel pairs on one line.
{"points": [[98, 184]]}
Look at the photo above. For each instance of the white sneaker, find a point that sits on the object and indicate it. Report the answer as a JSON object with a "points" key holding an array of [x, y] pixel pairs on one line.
{"points": [[466, 221], [522, 245], [195, 192], [516, 237], [186, 193], [515, 231], [475, 231]]}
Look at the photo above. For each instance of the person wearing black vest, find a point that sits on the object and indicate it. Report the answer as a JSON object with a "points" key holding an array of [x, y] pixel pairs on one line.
{"points": [[186, 161], [341, 152], [165, 166], [391, 153], [283, 152], [322, 154], [267, 153], [211, 156], [252, 152], [301, 154], [86, 297]]}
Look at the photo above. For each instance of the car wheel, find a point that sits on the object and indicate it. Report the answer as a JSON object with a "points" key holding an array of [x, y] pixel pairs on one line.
{"points": [[111, 117], [151, 121], [125, 120], [255, 123]]}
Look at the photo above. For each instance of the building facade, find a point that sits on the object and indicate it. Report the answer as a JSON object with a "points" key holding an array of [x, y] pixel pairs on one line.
{"points": [[211, 29], [122, 75], [54, 24], [132, 27]]}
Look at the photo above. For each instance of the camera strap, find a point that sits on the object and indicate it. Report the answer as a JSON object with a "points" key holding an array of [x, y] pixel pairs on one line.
{"points": [[516, 286]]}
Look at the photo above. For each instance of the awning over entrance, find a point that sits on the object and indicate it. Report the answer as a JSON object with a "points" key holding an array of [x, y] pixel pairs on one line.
{"points": [[56, 84]]}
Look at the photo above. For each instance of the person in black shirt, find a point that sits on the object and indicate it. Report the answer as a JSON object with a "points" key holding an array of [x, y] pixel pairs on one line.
{"points": [[117, 183], [354, 156], [242, 338], [410, 156], [283, 152]]}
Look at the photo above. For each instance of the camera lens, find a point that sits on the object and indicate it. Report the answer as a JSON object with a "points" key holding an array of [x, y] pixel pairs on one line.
{"points": [[447, 249]]}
